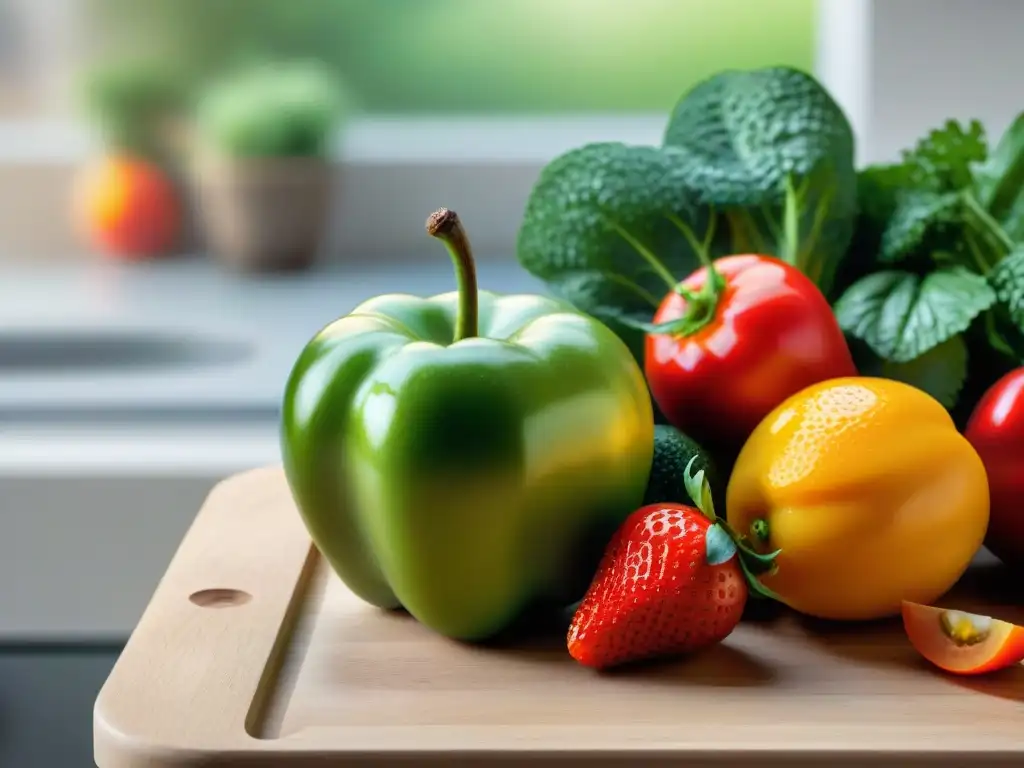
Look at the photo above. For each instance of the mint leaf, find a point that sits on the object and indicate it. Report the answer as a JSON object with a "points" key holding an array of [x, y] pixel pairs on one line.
{"points": [[720, 546], [1007, 279], [901, 315], [1000, 180], [922, 221], [944, 160], [941, 371], [878, 190]]}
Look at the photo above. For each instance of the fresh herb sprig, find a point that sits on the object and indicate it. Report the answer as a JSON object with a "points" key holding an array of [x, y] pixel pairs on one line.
{"points": [[945, 264]]}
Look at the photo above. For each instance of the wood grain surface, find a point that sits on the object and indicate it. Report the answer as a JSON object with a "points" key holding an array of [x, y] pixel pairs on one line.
{"points": [[252, 653]]}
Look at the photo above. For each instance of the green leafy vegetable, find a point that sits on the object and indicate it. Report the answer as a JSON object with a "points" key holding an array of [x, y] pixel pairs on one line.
{"points": [[933, 211], [878, 188], [878, 192], [921, 220], [943, 159], [1000, 181], [901, 315], [945, 215], [922, 258], [749, 135], [597, 229], [1007, 278], [758, 161], [911, 210]]}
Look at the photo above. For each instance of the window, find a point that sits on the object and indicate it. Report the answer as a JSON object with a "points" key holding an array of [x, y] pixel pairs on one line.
{"points": [[463, 101], [475, 57], [37, 54]]}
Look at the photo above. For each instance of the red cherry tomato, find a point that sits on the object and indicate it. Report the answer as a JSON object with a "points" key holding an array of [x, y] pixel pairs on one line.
{"points": [[762, 331], [996, 430]]}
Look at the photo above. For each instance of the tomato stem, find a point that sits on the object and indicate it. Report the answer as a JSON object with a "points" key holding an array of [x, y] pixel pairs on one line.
{"points": [[702, 306]]}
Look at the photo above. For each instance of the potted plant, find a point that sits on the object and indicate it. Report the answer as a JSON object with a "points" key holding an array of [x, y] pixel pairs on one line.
{"points": [[263, 169]]}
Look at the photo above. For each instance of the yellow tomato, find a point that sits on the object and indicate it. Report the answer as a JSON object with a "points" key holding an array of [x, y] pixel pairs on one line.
{"points": [[869, 491]]}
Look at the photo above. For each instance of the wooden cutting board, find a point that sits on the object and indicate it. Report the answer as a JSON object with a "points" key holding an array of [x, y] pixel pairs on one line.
{"points": [[252, 653]]}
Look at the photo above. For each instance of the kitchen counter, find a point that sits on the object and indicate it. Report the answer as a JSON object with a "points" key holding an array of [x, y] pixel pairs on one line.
{"points": [[233, 338], [103, 468]]}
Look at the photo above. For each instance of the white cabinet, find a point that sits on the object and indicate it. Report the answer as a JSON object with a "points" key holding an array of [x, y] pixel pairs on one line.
{"points": [[89, 521]]}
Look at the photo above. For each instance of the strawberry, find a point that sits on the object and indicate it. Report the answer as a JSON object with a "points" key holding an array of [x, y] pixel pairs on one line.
{"points": [[673, 579]]}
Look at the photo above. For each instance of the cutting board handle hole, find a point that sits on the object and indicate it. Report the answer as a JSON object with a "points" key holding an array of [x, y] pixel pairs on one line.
{"points": [[220, 598]]}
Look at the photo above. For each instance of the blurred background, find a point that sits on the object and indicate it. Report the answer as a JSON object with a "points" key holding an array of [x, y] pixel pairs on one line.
{"points": [[458, 84], [190, 188]]}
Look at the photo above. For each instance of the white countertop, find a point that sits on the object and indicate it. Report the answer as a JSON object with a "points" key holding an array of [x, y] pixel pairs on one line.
{"points": [[102, 471], [272, 316]]}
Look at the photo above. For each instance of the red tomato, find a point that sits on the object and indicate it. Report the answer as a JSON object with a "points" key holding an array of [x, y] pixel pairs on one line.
{"points": [[960, 642], [996, 430], [768, 333]]}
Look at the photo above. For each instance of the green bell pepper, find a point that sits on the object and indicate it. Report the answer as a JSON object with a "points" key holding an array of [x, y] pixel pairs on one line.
{"points": [[467, 456]]}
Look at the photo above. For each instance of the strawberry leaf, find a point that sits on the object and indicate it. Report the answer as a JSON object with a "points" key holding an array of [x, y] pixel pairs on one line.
{"points": [[756, 587], [758, 562], [722, 542], [698, 489], [720, 546]]}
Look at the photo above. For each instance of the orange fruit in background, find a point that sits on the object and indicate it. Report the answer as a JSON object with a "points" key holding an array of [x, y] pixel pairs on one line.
{"points": [[127, 207]]}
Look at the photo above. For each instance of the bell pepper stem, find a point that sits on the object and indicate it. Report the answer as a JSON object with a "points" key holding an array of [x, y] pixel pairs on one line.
{"points": [[444, 224]]}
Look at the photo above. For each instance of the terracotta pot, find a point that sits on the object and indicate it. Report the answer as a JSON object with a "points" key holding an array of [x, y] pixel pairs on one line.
{"points": [[265, 214]]}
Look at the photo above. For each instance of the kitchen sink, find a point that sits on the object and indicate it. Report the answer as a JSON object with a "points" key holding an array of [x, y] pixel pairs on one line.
{"points": [[53, 351]]}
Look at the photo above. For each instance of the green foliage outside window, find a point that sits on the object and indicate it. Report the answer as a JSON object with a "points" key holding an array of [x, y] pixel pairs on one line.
{"points": [[475, 56]]}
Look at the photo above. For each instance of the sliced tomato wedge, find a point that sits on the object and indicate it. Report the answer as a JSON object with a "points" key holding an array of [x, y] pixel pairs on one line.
{"points": [[960, 642]]}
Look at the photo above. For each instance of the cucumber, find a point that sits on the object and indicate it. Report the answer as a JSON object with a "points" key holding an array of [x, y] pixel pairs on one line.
{"points": [[672, 452]]}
